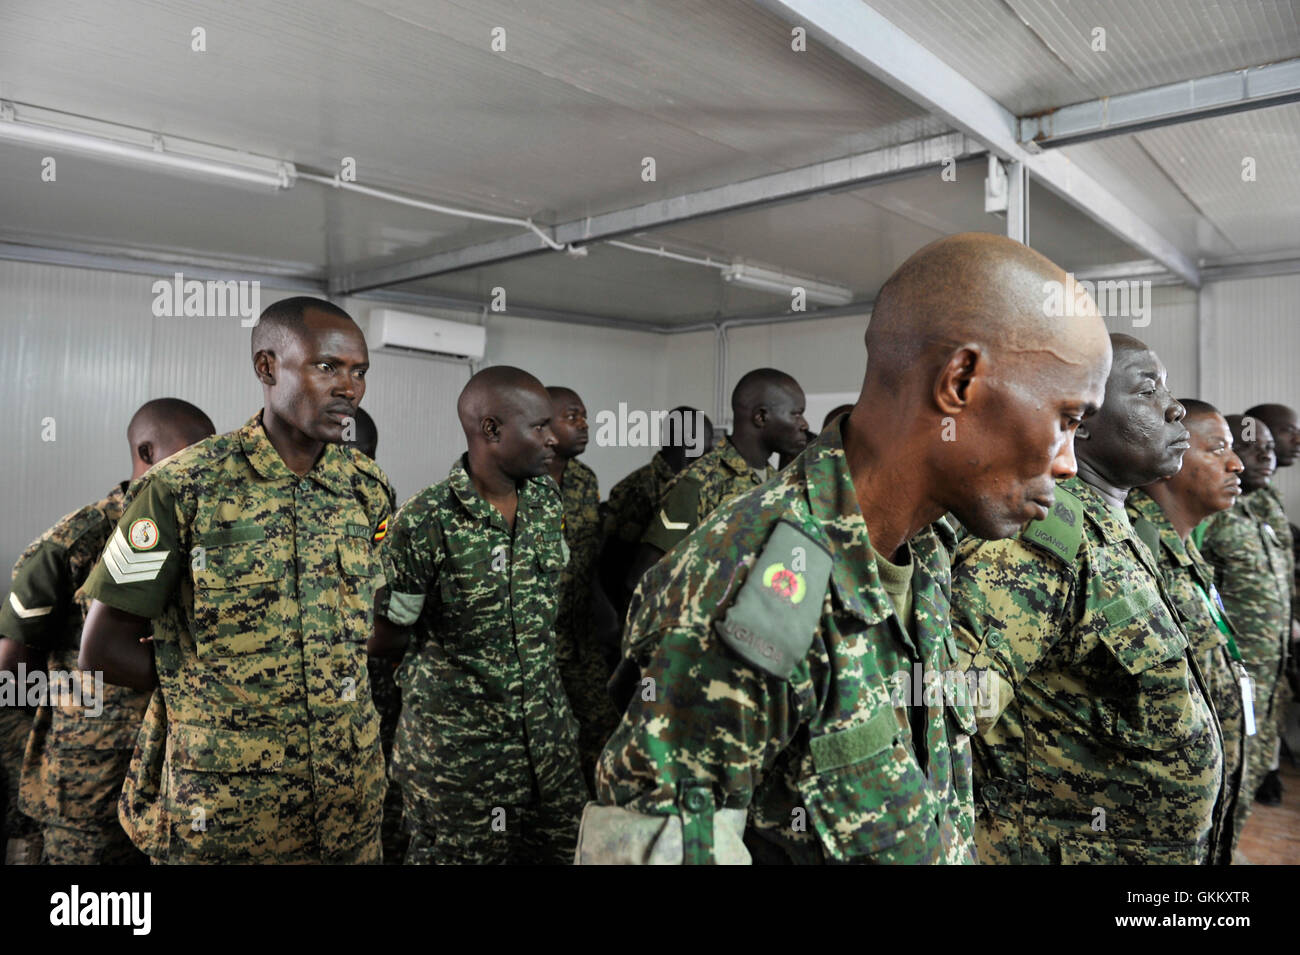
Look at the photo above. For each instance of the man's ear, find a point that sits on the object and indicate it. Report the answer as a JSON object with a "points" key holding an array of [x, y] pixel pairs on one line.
{"points": [[144, 450], [759, 417], [264, 363], [953, 384], [490, 428]]}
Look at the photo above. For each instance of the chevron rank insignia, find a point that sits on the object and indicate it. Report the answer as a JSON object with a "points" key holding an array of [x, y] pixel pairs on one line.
{"points": [[128, 565]]}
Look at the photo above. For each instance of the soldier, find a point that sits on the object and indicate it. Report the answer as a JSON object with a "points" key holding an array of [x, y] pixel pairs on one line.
{"points": [[784, 642], [1253, 573], [487, 747], [767, 406], [77, 753], [1281, 422], [631, 506], [253, 554], [1099, 744], [1163, 515], [583, 667]]}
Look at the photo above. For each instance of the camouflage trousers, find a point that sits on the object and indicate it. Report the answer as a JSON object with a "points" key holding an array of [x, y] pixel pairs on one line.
{"points": [[585, 675], [15, 726], [1262, 748], [105, 844], [518, 816]]}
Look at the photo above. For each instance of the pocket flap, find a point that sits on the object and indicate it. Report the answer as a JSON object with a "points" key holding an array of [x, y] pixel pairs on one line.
{"points": [[209, 749]]}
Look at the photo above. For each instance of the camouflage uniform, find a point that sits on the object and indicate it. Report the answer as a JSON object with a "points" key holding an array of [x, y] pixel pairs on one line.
{"points": [[631, 504], [15, 728], [714, 478], [1189, 582], [486, 750], [1099, 744], [775, 710], [263, 742], [1253, 572], [582, 665], [76, 758], [388, 704]]}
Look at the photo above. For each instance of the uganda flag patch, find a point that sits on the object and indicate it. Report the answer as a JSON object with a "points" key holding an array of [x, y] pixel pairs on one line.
{"points": [[381, 530]]}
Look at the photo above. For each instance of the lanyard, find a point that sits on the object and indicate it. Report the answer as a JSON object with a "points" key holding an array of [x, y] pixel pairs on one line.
{"points": [[1219, 622]]}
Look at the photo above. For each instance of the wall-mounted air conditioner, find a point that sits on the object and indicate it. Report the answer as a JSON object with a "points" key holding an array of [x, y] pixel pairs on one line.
{"points": [[432, 336]]}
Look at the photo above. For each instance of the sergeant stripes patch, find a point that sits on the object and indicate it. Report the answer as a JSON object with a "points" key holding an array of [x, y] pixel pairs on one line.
{"points": [[23, 612], [128, 567]]}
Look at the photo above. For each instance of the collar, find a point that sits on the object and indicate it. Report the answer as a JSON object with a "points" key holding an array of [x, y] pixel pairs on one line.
{"points": [[731, 458], [329, 470], [1113, 525], [1142, 506], [833, 505], [462, 486]]}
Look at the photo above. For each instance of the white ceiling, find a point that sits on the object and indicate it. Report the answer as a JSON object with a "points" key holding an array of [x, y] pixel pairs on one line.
{"points": [[555, 128]]}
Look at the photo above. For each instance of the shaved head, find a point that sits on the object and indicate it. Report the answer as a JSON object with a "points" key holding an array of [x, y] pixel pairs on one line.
{"points": [[1255, 445], [767, 411], [161, 427], [285, 319], [973, 287], [506, 416], [1281, 421], [1196, 408], [976, 379]]}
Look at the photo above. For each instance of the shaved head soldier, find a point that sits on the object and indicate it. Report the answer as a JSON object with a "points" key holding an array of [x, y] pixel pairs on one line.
{"points": [[767, 409], [1098, 743], [1281, 423], [254, 555], [780, 642], [583, 666], [77, 752], [487, 746], [1163, 515], [1252, 568]]}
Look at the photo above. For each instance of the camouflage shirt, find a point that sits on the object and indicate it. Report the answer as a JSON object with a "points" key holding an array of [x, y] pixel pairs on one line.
{"points": [[77, 753], [1189, 582], [715, 478], [1281, 524], [263, 744], [781, 696], [580, 498], [1253, 572], [483, 709], [1100, 745], [632, 501]]}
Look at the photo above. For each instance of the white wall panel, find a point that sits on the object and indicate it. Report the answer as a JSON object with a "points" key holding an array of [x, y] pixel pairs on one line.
{"points": [[1253, 340]]}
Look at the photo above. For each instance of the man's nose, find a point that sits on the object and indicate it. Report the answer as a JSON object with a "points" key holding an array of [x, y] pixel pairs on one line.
{"points": [[1064, 465]]}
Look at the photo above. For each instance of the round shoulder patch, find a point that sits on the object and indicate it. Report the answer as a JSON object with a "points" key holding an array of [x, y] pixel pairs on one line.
{"points": [[143, 534], [786, 584]]}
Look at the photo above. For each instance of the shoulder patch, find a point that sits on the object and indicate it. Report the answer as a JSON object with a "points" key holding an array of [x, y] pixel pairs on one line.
{"points": [[771, 624], [1061, 532]]}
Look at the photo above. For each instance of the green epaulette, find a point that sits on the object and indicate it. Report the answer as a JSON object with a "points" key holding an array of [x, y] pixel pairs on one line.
{"points": [[1061, 532], [1148, 534], [775, 616]]}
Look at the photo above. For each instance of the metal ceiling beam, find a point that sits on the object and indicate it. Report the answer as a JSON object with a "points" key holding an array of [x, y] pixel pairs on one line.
{"points": [[849, 172], [865, 38], [1165, 105]]}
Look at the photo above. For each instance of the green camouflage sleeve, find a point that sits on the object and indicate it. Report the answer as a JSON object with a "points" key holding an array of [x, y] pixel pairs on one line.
{"points": [[412, 555], [39, 597], [700, 730], [675, 515], [142, 564], [1009, 602]]}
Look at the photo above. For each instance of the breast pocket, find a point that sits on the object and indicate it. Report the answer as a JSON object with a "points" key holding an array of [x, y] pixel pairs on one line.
{"points": [[1152, 704], [868, 800], [238, 587], [475, 587], [360, 577]]}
